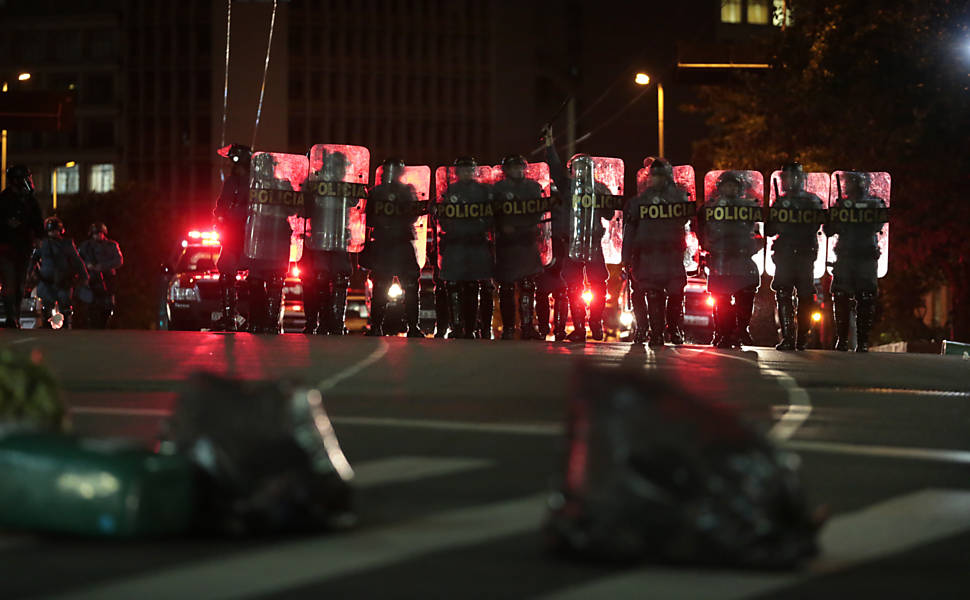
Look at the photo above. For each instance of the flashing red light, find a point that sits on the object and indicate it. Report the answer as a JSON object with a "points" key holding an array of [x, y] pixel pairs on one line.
{"points": [[295, 271], [204, 235], [588, 296], [710, 301]]}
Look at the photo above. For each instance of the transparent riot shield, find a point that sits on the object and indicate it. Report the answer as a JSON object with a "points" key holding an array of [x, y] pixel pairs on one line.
{"points": [[419, 178], [444, 177], [276, 195], [753, 189], [538, 172], [596, 209], [815, 183], [880, 186], [334, 210], [685, 180]]}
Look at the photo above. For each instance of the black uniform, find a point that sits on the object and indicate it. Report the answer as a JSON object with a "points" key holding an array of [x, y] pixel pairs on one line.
{"points": [[518, 258], [654, 245], [794, 253], [575, 272], [59, 270], [230, 213], [855, 274], [550, 282], [103, 258], [20, 225], [466, 258], [733, 273], [393, 210]]}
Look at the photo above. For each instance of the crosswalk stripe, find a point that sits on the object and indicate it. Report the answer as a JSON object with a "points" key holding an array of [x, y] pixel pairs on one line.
{"points": [[848, 540]]}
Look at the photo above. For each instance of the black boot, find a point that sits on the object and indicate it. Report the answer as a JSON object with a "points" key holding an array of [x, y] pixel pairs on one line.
{"points": [[641, 317], [675, 318], [864, 313], [806, 306], [412, 309], [441, 312], [842, 304], [257, 305], [725, 322], [743, 308], [324, 288], [311, 304], [656, 311], [47, 312], [227, 285], [274, 306], [542, 313], [506, 307], [786, 318], [527, 306], [596, 307], [12, 310], [470, 308], [486, 310], [560, 315], [378, 305], [338, 305], [68, 313], [577, 309]]}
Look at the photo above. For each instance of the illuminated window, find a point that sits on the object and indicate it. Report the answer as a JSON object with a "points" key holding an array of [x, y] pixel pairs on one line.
{"points": [[730, 11], [781, 13], [102, 178], [67, 179], [758, 12]]}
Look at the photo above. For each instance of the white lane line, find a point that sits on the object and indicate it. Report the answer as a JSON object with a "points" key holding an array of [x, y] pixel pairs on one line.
{"points": [[929, 454], [799, 404], [332, 381], [436, 424], [22, 340], [288, 565], [384, 471], [120, 411], [875, 532]]}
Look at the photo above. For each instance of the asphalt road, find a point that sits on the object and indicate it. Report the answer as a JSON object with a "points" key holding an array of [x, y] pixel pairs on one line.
{"points": [[457, 443]]}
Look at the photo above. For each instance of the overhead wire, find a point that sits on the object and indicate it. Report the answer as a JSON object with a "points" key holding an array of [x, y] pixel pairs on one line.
{"points": [[262, 87]]}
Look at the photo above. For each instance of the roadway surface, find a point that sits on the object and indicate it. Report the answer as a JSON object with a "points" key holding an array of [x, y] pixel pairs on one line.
{"points": [[457, 443]]}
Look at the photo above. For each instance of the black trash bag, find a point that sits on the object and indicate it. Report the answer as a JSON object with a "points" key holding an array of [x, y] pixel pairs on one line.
{"points": [[653, 473], [267, 457]]}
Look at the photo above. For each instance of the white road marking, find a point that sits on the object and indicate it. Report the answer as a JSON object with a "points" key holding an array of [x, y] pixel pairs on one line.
{"points": [[397, 469], [117, 411], [875, 532], [440, 424], [288, 565], [22, 340], [929, 454], [331, 382]]}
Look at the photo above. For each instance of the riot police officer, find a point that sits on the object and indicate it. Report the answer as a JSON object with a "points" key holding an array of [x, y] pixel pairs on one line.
{"points": [[654, 244], [230, 214], [586, 230], [550, 283], [855, 274], [393, 210], [20, 226], [102, 257], [733, 274], [59, 270], [466, 256], [518, 258], [794, 253], [325, 267]]}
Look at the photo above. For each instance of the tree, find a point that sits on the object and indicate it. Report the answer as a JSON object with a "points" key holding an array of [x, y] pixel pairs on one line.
{"points": [[871, 86]]}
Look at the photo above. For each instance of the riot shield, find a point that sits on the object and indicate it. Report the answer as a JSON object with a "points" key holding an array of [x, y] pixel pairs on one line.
{"points": [[685, 180], [444, 177], [880, 186], [276, 194], [538, 172], [334, 210], [596, 209], [419, 178], [753, 189], [815, 183]]}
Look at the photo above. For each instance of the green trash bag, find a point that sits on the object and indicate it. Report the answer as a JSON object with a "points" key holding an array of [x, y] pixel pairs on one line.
{"points": [[108, 488]]}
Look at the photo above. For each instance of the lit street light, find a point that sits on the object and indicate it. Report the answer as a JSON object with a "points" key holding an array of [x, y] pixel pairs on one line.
{"points": [[644, 79], [23, 77], [3, 138]]}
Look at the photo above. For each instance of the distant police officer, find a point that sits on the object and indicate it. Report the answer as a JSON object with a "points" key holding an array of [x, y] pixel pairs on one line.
{"points": [[59, 270], [731, 243], [854, 276], [794, 253], [518, 258], [550, 283], [654, 244], [20, 225], [102, 257], [393, 210], [465, 231], [230, 214]]}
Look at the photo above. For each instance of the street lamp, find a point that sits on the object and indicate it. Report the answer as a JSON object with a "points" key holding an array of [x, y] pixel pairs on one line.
{"points": [[23, 77], [3, 137], [644, 79]]}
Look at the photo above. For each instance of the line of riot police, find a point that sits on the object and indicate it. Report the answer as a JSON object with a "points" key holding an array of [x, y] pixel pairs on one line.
{"points": [[545, 232]]}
